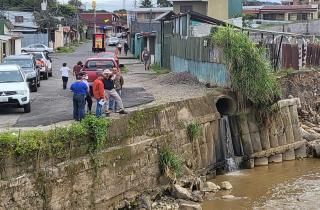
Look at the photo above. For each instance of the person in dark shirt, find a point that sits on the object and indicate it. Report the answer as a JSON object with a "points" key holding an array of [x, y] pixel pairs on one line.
{"points": [[110, 91], [126, 47], [77, 68], [146, 57], [79, 89]]}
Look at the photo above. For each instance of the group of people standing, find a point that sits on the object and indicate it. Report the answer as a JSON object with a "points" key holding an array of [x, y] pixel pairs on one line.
{"points": [[106, 90], [125, 48]]}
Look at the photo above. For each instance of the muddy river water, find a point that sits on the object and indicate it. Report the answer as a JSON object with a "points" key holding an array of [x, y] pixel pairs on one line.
{"points": [[287, 185]]}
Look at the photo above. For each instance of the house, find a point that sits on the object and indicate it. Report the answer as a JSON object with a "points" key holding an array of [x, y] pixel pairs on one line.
{"points": [[219, 9], [10, 42], [24, 23], [284, 12], [106, 22], [143, 27], [299, 2]]}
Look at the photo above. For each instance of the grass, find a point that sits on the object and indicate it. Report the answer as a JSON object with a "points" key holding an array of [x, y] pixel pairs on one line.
{"points": [[285, 72], [170, 163], [70, 49], [158, 70], [33, 142], [124, 69], [193, 130]]}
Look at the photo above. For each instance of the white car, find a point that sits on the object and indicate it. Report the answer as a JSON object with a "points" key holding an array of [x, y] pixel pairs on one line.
{"points": [[37, 48], [14, 88], [113, 41]]}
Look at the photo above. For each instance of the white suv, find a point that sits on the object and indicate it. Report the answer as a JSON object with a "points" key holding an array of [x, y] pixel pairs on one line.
{"points": [[14, 89]]}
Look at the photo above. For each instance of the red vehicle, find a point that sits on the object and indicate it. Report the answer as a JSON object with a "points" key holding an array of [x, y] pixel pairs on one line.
{"points": [[97, 64], [108, 55]]}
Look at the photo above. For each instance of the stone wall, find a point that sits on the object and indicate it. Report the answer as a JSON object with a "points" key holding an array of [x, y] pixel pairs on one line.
{"points": [[130, 162]]}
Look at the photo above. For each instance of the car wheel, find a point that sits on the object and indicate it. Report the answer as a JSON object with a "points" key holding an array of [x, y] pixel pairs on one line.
{"points": [[23, 51], [45, 76], [27, 108], [45, 52], [50, 74], [34, 88], [38, 83]]}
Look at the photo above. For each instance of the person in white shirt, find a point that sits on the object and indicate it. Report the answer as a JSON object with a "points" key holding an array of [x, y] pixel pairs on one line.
{"points": [[65, 75]]}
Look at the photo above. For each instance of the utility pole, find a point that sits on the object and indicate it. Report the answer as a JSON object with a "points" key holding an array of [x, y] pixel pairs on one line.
{"points": [[94, 5], [78, 33]]}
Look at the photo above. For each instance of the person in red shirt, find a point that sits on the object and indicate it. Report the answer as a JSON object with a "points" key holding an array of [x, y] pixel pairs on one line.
{"points": [[98, 93]]}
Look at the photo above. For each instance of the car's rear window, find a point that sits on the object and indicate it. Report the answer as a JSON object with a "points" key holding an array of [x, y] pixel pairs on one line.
{"points": [[100, 64], [10, 76], [23, 63]]}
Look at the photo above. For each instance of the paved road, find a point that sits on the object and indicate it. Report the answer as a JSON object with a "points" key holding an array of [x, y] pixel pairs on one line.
{"points": [[52, 104]]}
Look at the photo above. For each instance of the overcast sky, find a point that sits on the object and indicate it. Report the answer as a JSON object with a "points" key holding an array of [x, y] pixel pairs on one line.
{"points": [[111, 5]]}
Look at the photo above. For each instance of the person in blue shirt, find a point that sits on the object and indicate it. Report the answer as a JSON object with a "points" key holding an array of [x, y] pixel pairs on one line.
{"points": [[79, 90]]}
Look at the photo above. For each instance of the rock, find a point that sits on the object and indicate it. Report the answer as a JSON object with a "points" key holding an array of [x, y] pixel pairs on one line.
{"points": [[144, 201], [226, 185], [210, 187], [228, 197], [181, 193], [187, 171], [313, 148], [197, 196], [309, 136], [188, 205]]}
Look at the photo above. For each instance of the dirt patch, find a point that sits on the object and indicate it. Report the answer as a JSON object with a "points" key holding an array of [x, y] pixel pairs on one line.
{"points": [[184, 78]]}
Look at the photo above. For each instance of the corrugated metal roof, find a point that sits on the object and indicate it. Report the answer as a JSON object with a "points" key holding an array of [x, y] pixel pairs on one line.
{"points": [[153, 9]]}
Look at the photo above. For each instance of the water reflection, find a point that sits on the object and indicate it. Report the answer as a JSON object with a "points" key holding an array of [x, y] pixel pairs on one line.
{"points": [[288, 185]]}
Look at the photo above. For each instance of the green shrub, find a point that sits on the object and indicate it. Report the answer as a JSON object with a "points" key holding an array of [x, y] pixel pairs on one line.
{"points": [[250, 71], [170, 163], [32, 142], [193, 130]]}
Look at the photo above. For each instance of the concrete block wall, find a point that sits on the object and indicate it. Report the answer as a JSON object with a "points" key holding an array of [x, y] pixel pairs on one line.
{"points": [[129, 164]]}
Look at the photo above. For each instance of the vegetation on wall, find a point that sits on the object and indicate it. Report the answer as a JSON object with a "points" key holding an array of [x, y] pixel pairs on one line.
{"points": [[193, 130], [170, 163], [250, 71], [55, 141]]}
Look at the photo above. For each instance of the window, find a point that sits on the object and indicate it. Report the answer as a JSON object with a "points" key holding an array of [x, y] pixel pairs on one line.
{"points": [[149, 16], [18, 19], [101, 64], [39, 46], [302, 16], [185, 8]]}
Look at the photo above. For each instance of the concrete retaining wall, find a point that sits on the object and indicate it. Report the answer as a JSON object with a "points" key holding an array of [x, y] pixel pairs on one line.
{"points": [[130, 162]]}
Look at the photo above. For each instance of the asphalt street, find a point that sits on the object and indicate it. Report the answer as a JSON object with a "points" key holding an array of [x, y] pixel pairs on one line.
{"points": [[51, 104]]}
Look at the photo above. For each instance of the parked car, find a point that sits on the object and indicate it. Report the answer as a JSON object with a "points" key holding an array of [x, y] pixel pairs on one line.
{"points": [[113, 41], [94, 65], [119, 35], [14, 89], [28, 66], [37, 48], [45, 65], [123, 34]]}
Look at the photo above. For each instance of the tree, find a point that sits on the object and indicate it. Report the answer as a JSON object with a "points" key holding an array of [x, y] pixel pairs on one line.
{"points": [[75, 3], [146, 4], [164, 3]]}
